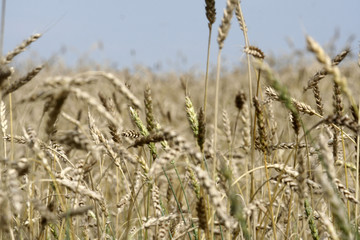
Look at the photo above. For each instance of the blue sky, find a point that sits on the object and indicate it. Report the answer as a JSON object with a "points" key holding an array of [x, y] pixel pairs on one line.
{"points": [[124, 33]]}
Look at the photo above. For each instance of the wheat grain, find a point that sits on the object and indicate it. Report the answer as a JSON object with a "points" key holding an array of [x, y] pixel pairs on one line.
{"points": [[94, 103], [225, 22], [261, 125], [202, 129], [300, 106], [191, 116], [255, 52], [210, 11], [81, 189], [156, 201], [55, 109], [337, 207], [312, 225], [226, 125], [345, 192], [314, 80], [131, 134], [5, 73], [318, 100], [9, 57], [21, 81], [117, 83], [150, 120], [215, 197]]}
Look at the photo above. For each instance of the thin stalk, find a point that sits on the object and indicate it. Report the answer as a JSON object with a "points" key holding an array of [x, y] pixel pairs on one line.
{"points": [[234, 134], [96, 210], [252, 123], [269, 195], [3, 8], [253, 137], [183, 190], [309, 171], [276, 192], [357, 177], [345, 170], [117, 200], [147, 209], [176, 200], [206, 198], [216, 110], [11, 129], [216, 125], [289, 215], [203, 163], [4, 144], [247, 44], [11, 233], [207, 70], [258, 82], [291, 196], [357, 182], [207, 206]]}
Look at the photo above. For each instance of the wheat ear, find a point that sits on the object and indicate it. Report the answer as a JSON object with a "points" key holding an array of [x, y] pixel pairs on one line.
{"points": [[334, 70], [21, 81], [211, 16]]}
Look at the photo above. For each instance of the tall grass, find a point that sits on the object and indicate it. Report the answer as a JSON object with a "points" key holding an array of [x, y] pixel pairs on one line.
{"points": [[92, 157]]}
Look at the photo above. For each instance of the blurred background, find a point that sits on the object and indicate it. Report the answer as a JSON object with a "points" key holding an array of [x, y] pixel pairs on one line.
{"points": [[167, 35]]}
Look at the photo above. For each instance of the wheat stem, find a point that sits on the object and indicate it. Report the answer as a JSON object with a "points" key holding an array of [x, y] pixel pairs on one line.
{"points": [[207, 71]]}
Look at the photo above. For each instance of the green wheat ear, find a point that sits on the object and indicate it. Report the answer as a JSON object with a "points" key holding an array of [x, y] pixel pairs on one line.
{"points": [[191, 116], [143, 130]]}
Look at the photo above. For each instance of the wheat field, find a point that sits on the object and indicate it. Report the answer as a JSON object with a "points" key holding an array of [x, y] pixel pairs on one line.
{"points": [[259, 152]]}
